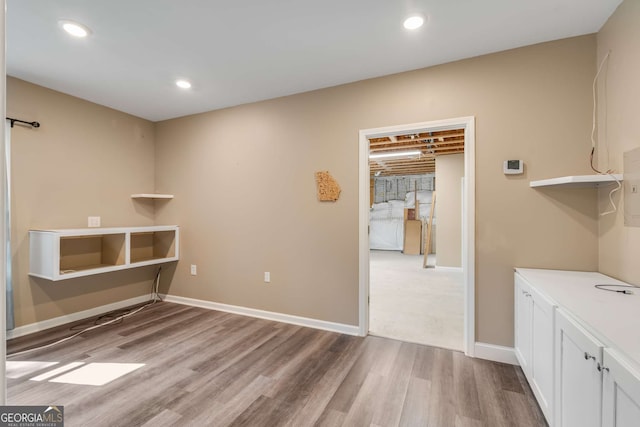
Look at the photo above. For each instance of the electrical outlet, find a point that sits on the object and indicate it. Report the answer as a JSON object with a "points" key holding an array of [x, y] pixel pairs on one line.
{"points": [[93, 221], [267, 277], [194, 270]]}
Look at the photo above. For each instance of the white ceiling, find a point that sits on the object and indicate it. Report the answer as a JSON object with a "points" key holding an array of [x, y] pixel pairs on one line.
{"points": [[239, 51]]}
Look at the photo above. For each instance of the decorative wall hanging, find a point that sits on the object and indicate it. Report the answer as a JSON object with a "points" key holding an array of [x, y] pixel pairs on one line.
{"points": [[328, 188]]}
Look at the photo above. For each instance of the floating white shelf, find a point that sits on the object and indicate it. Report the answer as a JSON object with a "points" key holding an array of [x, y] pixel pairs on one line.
{"points": [[151, 196], [65, 254], [577, 181]]}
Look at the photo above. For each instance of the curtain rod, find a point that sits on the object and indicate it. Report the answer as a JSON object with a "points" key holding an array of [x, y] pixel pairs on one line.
{"points": [[32, 124]]}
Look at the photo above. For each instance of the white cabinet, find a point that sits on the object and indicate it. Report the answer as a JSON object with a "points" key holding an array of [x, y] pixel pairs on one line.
{"points": [[542, 349], [522, 327], [578, 379], [620, 392], [69, 253], [595, 350], [595, 386], [534, 343]]}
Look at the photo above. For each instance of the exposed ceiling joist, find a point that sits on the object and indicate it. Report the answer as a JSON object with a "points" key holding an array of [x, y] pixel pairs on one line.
{"points": [[430, 145]]}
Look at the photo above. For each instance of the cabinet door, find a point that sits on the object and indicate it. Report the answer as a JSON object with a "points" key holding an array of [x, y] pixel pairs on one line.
{"points": [[578, 382], [620, 393], [542, 345], [522, 323]]}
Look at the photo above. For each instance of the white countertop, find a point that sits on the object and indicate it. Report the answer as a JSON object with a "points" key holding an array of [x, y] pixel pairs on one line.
{"points": [[612, 317]]}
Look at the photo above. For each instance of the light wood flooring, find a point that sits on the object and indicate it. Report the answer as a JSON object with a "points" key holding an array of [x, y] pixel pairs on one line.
{"points": [[209, 368]]}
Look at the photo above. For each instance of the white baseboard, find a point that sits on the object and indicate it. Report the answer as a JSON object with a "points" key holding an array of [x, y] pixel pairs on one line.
{"points": [[496, 353], [269, 315], [481, 350], [73, 317]]}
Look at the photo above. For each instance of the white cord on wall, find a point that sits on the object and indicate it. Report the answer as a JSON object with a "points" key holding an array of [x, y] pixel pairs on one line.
{"points": [[609, 172], [594, 88], [614, 208]]}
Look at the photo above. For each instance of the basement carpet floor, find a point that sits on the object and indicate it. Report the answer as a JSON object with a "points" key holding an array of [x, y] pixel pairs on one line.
{"points": [[414, 304]]}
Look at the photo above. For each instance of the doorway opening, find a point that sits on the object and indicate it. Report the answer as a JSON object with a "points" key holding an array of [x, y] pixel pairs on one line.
{"points": [[375, 141]]}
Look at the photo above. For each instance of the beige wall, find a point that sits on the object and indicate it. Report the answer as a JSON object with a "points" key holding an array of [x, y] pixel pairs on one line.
{"points": [[619, 131], [449, 173], [84, 160], [531, 103]]}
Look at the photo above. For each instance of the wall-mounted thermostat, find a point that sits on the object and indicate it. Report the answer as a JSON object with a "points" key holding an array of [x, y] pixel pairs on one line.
{"points": [[513, 167]]}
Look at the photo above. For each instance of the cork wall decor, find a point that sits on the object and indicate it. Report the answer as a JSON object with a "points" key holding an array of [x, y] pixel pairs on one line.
{"points": [[328, 187]]}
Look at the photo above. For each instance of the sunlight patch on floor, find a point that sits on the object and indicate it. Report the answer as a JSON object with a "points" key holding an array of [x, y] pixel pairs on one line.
{"points": [[97, 373], [57, 371], [72, 373]]}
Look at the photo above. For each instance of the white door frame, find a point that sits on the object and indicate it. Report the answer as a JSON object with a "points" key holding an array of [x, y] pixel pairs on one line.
{"points": [[468, 220], [3, 257]]}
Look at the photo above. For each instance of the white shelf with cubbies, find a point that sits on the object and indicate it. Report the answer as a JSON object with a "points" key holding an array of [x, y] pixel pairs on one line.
{"points": [[69, 253]]}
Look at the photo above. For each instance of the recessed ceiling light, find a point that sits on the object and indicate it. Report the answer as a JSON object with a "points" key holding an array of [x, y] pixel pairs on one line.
{"points": [[413, 22], [184, 84], [75, 29]]}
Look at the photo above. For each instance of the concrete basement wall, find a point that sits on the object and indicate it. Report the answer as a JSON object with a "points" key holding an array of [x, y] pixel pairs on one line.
{"points": [[532, 103]]}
